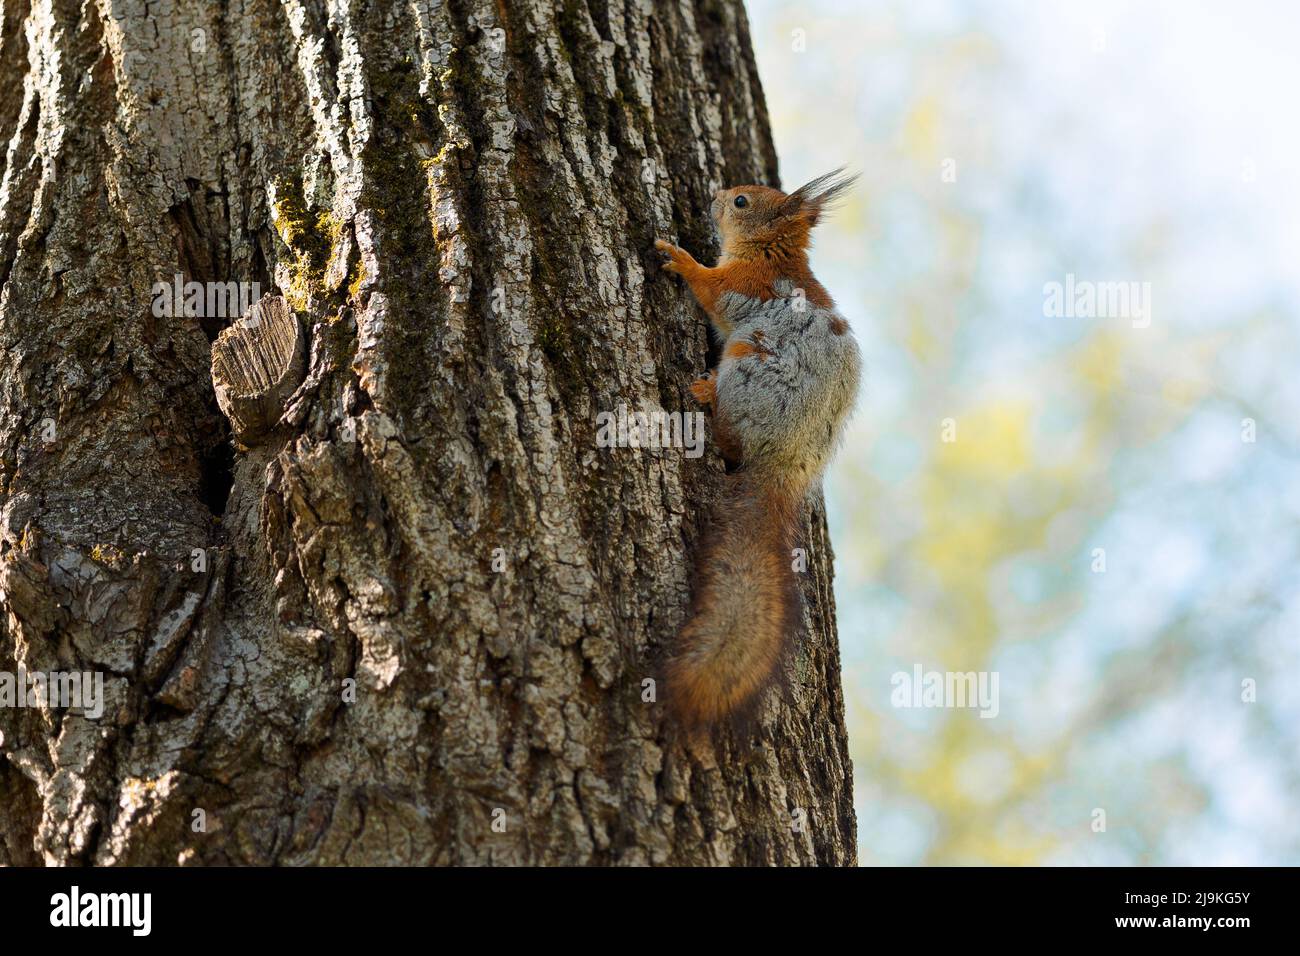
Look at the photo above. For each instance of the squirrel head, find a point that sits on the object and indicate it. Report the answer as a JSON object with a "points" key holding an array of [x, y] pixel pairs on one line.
{"points": [[758, 222]]}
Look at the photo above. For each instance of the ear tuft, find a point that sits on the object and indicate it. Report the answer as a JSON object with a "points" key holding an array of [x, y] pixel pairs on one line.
{"points": [[819, 196]]}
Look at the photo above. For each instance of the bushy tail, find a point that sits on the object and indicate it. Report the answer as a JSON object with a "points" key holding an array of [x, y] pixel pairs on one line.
{"points": [[745, 610]]}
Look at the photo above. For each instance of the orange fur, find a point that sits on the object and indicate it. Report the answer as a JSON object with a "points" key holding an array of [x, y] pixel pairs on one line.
{"points": [[754, 278], [741, 348], [762, 244], [745, 609], [705, 390]]}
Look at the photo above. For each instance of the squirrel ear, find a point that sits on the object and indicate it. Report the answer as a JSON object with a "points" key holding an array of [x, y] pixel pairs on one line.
{"points": [[819, 195]]}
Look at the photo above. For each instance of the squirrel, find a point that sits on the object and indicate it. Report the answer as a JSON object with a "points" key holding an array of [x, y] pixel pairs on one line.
{"points": [[787, 380]]}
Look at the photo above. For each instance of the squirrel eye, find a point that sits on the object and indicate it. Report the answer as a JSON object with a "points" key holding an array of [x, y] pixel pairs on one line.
{"points": [[741, 202]]}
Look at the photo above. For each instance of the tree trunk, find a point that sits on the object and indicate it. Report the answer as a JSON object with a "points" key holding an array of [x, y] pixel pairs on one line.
{"points": [[406, 610]]}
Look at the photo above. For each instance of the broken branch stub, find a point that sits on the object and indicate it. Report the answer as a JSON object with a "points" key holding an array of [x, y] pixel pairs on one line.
{"points": [[256, 365]]}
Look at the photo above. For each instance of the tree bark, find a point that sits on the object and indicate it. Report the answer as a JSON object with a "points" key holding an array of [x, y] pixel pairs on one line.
{"points": [[410, 620]]}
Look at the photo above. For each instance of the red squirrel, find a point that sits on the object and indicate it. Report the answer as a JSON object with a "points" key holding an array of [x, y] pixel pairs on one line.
{"points": [[787, 379]]}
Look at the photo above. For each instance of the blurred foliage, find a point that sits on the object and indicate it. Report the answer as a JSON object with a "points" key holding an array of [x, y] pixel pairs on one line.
{"points": [[1004, 146]]}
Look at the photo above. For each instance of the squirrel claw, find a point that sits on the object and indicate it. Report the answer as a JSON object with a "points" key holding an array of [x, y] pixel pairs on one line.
{"points": [[672, 254]]}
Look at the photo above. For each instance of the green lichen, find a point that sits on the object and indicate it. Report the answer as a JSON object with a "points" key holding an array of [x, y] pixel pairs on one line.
{"points": [[310, 240], [357, 281], [28, 540], [562, 335], [297, 228], [556, 340], [398, 188], [397, 180], [107, 554]]}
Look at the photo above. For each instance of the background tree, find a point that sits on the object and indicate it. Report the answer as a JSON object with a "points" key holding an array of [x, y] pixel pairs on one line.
{"points": [[408, 621]]}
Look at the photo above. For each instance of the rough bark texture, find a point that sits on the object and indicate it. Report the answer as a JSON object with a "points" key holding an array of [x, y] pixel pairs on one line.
{"points": [[458, 201]]}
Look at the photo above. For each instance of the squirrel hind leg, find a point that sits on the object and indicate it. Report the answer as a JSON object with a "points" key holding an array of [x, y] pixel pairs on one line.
{"points": [[705, 390]]}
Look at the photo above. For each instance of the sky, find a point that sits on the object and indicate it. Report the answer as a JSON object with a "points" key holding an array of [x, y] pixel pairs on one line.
{"points": [[1099, 505]]}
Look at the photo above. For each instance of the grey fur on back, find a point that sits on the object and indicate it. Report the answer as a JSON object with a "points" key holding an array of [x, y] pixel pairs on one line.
{"points": [[787, 403]]}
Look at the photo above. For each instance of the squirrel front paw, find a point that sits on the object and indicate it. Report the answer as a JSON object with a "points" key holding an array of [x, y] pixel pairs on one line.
{"points": [[678, 258], [705, 390]]}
